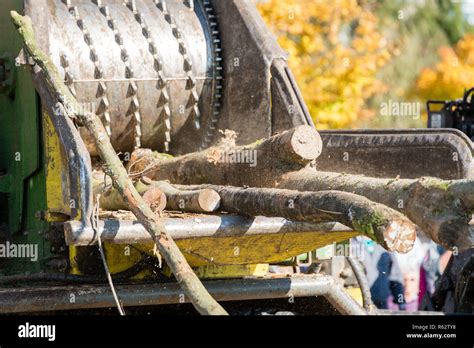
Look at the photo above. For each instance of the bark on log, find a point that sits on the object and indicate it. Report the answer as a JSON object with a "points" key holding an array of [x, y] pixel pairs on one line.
{"points": [[251, 165], [199, 201], [47, 76], [442, 209], [384, 225], [111, 199]]}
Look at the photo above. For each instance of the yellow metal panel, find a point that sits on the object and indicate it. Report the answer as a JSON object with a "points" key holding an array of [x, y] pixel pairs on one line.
{"points": [[224, 251], [122, 257], [255, 249], [119, 257], [56, 180], [231, 271], [219, 253], [73, 261], [356, 294]]}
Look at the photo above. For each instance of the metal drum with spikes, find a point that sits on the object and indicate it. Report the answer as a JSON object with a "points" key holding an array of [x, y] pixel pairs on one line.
{"points": [[149, 68]]}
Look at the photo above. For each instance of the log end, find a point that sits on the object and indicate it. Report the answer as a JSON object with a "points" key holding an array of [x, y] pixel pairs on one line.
{"points": [[139, 160], [209, 200], [306, 143], [156, 199], [400, 236]]}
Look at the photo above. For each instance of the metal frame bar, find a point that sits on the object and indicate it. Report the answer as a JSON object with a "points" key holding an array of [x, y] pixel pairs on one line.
{"points": [[99, 296], [129, 232]]}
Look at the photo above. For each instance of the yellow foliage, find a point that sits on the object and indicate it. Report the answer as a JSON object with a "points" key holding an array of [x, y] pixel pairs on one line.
{"points": [[454, 72], [335, 51]]}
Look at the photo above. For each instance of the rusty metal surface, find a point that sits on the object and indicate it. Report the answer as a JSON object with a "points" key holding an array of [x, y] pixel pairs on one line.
{"points": [[127, 232], [288, 107], [99, 296], [154, 71], [249, 49]]}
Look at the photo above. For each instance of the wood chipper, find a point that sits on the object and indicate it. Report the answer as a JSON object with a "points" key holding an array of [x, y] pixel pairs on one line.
{"points": [[200, 106]]}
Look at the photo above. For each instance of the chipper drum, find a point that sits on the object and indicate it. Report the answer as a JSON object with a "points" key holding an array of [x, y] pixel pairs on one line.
{"points": [[152, 70]]}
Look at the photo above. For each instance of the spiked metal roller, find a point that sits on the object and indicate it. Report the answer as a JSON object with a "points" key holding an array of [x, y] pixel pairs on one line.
{"points": [[150, 69]]}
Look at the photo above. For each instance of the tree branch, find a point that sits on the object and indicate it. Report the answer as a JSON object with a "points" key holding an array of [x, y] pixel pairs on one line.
{"points": [[442, 209], [384, 225], [250, 165]]}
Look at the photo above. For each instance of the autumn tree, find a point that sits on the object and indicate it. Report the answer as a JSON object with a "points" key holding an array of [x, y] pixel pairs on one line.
{"points": [[335, 52], [454, 73], [415, 31]]}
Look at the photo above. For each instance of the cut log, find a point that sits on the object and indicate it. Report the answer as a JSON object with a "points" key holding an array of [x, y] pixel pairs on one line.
{"points": [[442, 209], [199, 201], [61, 103], [156, 199], [384, 225], [252, 165], [111, 199], [142, 160]]}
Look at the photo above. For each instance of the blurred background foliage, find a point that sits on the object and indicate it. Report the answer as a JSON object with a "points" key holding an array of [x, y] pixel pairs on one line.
{"points": [[350, 56]]}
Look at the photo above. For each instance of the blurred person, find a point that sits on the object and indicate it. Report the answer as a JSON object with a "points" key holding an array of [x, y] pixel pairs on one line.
{"points": [[455, 287], [420, 271], [410, 293], [383, 274], [432, 267]]}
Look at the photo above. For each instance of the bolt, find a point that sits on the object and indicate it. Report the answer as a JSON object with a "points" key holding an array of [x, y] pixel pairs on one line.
{"points": [[38, 215]]}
